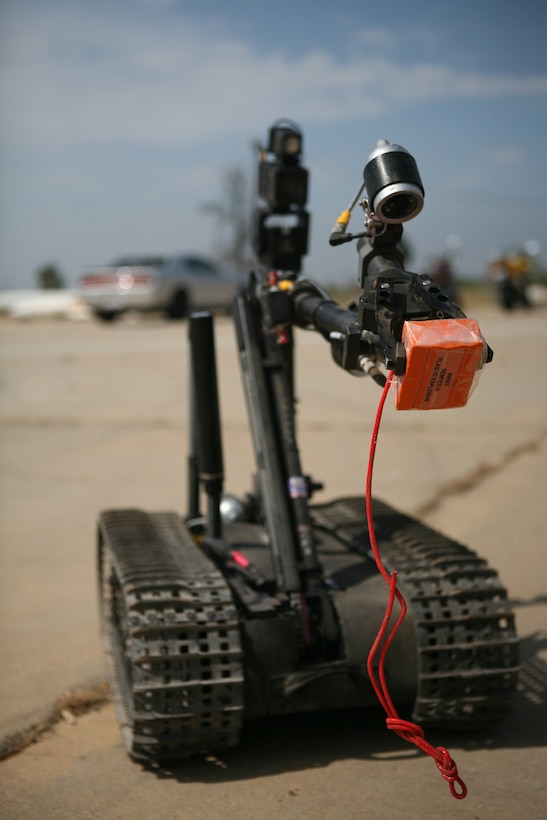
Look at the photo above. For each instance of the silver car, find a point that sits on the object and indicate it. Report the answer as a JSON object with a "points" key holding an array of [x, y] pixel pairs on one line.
{"points": [[170, 284]]}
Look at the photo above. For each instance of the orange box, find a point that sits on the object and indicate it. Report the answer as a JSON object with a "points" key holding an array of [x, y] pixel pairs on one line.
{"points": [[443, 357]]}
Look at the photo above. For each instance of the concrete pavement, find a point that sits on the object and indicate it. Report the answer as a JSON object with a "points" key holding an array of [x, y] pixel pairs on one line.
{"points": [[95, 417]]}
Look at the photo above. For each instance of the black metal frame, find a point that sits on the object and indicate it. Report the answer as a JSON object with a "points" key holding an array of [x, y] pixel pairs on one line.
{"points": [[265, 314]]}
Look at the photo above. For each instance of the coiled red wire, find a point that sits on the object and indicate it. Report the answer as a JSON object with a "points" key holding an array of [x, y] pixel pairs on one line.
{"points": [[407, 730]]}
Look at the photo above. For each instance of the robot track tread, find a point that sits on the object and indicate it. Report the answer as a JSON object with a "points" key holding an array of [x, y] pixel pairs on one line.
{"points": [[465, 632], [171, 638]]}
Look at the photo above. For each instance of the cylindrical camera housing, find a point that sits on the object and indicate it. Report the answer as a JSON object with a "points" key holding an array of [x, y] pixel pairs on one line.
{"points": [[394, 188]]}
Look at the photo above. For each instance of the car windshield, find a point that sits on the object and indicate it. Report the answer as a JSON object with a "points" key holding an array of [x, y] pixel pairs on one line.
{"points": [[198, 266]]}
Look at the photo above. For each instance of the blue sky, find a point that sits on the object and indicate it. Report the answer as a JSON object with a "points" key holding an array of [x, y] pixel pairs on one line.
{"points": [[119, 117]]}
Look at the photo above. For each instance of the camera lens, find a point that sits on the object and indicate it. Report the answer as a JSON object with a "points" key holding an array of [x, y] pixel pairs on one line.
{"points": [[400, 206], [397, 203]]}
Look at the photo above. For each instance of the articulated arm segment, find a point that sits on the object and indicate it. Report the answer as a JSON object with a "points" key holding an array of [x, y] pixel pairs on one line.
{"points": [[394, 297], [313, 308], [391, 296]]}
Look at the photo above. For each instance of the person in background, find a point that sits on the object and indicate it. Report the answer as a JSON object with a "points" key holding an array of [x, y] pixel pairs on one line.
{"points": [[510, 277]]}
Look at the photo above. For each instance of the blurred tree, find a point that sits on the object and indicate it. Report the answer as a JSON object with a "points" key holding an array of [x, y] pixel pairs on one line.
{"points": [[233, 215], [49, 278]]}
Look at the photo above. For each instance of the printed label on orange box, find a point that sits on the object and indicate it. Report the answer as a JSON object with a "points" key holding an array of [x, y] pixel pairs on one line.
{"points": [[443, 360]]}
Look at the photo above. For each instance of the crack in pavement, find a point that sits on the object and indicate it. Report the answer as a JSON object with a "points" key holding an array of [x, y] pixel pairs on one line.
{"points": [[479, 474], [69, 706]]}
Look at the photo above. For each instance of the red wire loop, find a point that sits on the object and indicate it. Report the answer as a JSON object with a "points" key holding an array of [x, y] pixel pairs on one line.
{"points": [[449, 771], [407, 730]]}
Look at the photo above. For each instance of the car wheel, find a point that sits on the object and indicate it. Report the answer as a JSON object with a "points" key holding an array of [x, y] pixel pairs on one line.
{"points": [[106, 315], [179, 306]]}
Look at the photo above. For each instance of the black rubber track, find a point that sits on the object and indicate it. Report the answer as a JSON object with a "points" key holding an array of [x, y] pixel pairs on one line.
{"points": [[173, 644], [171, 638], [468, 654]]}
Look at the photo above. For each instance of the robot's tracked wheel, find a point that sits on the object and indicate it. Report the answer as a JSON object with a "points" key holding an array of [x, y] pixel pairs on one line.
{"points": [[466, 642], [171, 638]]}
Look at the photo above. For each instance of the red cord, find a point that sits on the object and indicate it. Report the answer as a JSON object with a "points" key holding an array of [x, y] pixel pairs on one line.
{"points": [[407, 730]]}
